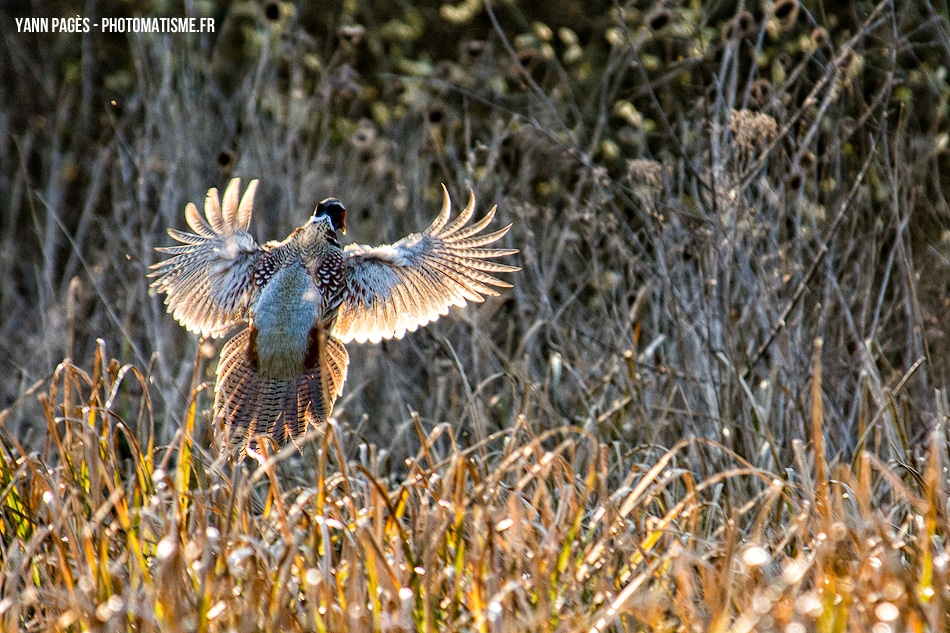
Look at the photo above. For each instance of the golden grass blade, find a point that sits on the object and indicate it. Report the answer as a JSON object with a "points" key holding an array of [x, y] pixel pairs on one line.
{"points": [[823, 502]]}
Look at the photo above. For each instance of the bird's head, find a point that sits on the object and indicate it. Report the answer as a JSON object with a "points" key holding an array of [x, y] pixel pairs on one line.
{"points": [[331, 210]]}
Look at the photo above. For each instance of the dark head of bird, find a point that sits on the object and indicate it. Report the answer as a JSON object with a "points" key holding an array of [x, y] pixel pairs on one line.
{"points": [[333, 209]]}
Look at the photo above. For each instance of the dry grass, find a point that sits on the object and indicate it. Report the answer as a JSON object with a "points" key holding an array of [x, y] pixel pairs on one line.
{"points": [[552, 532], [714, 399]]}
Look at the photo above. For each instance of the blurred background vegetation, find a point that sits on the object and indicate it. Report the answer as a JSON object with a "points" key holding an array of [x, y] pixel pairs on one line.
{"points": [[680, 176], [715, 396]]}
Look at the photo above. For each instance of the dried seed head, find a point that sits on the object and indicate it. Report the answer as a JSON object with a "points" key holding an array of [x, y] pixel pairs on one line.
{"points": [[785, 13], [739, 26], [847, 126], [807, 161], [752, 131], [648, 173], [272, 11], [820, 38], [364, 138], [761, 92], [351, 33], [475, 48], [224, 160], [795, 180], [659, 18], [436, 114]]}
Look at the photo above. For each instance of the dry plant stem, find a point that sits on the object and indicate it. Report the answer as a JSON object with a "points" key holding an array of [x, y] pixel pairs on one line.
{"points": [[830, 76], [822, 499], [886, 406], [819, 258], [539, 92]]}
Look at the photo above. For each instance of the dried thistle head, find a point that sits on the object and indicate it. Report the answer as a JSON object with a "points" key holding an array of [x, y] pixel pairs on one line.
{"points": [[351, 34], [820, 39], [645, 173], [740, 26], [761, 92], [752, 131], [364, 137], [659, 18], [784, 14], [225, 161], [795, 180]]}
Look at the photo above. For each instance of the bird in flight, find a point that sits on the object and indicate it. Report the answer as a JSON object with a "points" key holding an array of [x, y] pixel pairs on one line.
{"points": [[302, 298]]}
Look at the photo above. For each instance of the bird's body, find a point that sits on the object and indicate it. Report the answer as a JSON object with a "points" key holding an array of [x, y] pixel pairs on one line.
{"points": [[303, 298]]}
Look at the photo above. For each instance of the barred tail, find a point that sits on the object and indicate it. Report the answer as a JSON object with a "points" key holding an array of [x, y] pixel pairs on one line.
{"points": [[251, 405]]}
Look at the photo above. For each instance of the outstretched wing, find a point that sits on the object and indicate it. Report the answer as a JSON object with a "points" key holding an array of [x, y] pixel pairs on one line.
{"points": [[396, 288], [208, 281]]}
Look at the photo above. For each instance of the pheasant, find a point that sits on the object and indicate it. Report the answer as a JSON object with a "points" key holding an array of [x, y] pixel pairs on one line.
{"points": [[301, 299]]}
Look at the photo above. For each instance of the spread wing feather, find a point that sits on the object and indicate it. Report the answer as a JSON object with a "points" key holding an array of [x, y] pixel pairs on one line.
{"points": [[393, 289], [208, 281]]}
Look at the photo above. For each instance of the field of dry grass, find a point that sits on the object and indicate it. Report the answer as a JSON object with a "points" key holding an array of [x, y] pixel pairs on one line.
{"points": [[714, 400]]}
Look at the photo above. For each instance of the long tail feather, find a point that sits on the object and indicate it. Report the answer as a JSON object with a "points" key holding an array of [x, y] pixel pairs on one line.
{"points": [[250, 405]]}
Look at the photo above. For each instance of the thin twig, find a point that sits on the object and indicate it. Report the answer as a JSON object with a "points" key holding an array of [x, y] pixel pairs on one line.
{"points": [[819, 258]]}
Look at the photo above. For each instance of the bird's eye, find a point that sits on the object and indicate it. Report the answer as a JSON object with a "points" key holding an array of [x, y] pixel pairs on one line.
{"points": [[333, 209]]}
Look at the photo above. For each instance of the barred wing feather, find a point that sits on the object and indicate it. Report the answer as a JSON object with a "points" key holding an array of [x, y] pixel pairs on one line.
{"points": [[393, 289], [208, 281]]}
